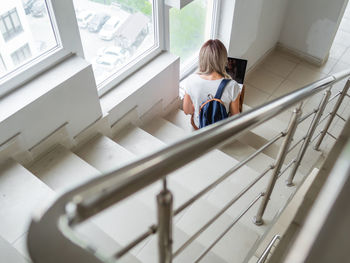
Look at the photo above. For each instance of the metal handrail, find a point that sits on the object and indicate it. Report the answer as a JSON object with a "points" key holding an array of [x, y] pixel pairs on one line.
{"points": [[97, 194], [334, 96], [227, 174], [157, 165], [306, 116], [267, 250], [225, 208], [229, 227]]}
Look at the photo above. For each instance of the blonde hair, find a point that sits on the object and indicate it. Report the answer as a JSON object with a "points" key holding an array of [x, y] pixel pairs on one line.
{"points": [[213, 58]]}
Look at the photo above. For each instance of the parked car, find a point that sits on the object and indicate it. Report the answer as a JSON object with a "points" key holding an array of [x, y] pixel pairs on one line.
{"points": [[132, 32], [84, 17], [27, 5], [122, 53], [97, 22], [109, 29], [110, 57], [38, 9]]}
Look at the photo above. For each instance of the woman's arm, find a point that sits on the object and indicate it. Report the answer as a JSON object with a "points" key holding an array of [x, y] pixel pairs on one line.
{"points": [[234, 106], [188, 105]]}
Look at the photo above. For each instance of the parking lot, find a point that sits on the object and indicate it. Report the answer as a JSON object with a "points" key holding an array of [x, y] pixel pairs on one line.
{"points": [[42, 33]]}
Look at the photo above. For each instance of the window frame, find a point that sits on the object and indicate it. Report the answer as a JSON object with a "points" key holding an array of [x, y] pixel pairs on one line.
{"points": [[63, 20], [135, 64], [66, 32]]}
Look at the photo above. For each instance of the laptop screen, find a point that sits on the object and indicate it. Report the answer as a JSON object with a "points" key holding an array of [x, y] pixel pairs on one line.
{"points": [[236, 69]]}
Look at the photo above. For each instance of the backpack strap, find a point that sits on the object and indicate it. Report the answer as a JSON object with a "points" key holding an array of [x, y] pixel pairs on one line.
{"points": [[221, 88]]}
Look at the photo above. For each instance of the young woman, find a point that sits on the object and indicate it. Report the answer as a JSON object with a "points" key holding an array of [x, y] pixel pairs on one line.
{"points": [[204, 83]]}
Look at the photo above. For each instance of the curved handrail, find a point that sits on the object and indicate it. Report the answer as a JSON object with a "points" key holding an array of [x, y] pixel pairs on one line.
{"points": [[97, 194]]}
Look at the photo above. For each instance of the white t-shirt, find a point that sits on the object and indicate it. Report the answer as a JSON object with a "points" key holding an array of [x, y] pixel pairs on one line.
{"points": [[199, 89]]}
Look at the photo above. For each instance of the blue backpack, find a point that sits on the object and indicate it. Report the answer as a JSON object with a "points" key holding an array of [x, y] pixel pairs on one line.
{"points": [[213, 109]]}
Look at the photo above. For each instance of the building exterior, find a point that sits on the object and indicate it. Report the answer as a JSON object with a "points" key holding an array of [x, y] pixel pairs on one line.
{"points": [[16, 41]]}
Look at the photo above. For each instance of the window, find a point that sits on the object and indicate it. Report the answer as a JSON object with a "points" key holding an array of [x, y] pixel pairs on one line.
{"points": [[21, 55], [10, 25], [29, 40], [190, 27], [2, 66], [117, 34]]}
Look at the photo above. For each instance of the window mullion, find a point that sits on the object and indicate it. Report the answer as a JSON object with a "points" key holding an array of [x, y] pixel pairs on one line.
{"points": [[164, 36], [67, 26]]}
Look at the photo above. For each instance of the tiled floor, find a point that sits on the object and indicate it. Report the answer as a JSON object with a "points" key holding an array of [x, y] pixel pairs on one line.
{"points": [[282, 73]]}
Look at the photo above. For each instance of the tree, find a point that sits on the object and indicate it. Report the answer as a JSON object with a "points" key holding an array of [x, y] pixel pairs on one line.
{"points": [[142, 6], [187, 28]]}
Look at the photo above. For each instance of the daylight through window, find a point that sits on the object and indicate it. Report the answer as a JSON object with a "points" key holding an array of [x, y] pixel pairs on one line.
{"points": [[26, 33], [114, 33], [189, 28]]}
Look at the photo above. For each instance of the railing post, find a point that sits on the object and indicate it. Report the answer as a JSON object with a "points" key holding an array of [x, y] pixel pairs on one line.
{"points": [[333, 113], [309, 135], [165, 222], [278, 164]]}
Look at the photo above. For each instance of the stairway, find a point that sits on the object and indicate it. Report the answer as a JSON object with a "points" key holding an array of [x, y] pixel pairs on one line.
{"points": [[22, 190]]}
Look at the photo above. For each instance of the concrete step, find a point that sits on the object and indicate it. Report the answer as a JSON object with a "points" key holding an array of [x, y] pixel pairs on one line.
{"points": [[256, 141], [255, 138], [203, 171], [102, 242], [250, 138], [21, 245], [241, 151], [233, 247], [9, 254], [61, 169], [164, 130], [126, 221], [228, 190], [148, 196], [137, 141], [20, 193], [287, 215], [268, 130], [149, 254], [97, 239], [181, 120], [104, 154]]}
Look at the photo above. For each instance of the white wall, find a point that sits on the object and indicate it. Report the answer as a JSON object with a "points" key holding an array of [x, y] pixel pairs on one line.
{"points": [[311, 25], [158, 81], [255, 29], [66, 93]]}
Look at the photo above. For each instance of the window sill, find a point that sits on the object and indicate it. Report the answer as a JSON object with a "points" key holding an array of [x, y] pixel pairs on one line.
{"points": [[136, 81], [41, 85]]}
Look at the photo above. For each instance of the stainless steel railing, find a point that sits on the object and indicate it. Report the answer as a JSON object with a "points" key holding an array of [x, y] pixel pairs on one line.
{"points": [[54, 226], [267, 250]]}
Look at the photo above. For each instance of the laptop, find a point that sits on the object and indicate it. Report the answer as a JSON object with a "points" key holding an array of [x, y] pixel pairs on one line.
{"points": [[236, 68]]}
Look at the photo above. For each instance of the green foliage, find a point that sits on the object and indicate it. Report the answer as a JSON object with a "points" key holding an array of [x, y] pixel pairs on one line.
{"points": [[142, 6], [187, 27]]}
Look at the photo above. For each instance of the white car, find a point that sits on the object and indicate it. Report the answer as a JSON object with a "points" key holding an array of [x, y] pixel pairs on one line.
{"points": [[109, 29], [83, 18], [110, 57], [122, 53]]}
